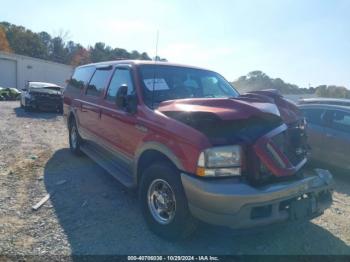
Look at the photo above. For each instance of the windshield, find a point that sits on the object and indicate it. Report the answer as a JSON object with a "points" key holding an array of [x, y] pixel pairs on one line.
{"points": [[172, 82]]}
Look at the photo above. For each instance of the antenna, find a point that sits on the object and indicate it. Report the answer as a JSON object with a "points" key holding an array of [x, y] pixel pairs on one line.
{"points": [[154, 69], [157, 39]]}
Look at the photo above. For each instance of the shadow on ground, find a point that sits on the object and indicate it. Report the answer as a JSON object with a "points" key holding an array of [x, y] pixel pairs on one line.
{"points": [[99, 216], [35, 114]]}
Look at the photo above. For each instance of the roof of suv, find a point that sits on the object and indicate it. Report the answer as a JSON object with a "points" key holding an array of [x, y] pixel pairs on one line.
{"points": [[324, 106], [141, 62], [329, 101]]}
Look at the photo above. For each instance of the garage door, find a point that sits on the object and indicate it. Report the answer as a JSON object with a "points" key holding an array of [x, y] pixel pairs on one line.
{"points": [[7, 73]]}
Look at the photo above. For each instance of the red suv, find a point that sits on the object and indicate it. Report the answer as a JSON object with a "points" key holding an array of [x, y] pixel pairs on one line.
{"points": [[193, 146]]}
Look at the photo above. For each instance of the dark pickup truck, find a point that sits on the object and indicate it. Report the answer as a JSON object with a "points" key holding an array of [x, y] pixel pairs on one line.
{"points": [[193, 146]]}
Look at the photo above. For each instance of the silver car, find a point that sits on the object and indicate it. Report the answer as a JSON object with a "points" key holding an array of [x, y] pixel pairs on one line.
{"points": [[41, 95], [328, 133]]}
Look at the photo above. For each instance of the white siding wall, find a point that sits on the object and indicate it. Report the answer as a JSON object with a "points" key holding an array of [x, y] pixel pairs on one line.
{"points": [[32, 69], [8, 73]]}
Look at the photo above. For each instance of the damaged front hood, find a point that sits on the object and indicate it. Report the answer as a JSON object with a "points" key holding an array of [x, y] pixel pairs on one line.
{"points": [[45, 91], [225, 120], [223, 108]]}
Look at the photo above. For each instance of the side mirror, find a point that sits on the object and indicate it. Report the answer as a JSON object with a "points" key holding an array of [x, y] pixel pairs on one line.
{"points": [[125, 101], [24, 89], [122, 93]]}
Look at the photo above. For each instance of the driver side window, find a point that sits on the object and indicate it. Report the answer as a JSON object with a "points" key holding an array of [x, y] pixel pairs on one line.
{"points": [[120, 77], [314, 116], [211, 87], [341, 121]]}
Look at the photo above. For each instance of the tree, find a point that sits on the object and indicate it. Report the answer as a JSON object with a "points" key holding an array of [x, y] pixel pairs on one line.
{"points": [[120, 53], [100, 52], [59, 51], [135, 55], [321, 91], [332, 91], [42, 45], [4, 44], [144, 56], [25, 42], [258, 80], [80, 56], [46, 40]]}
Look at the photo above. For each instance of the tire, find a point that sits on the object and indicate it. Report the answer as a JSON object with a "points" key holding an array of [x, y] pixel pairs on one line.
{"points": [[75, 140], [180, 223]]}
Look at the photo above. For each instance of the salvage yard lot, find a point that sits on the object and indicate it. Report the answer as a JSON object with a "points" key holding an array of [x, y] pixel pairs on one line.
{"points": [[91, 213]]}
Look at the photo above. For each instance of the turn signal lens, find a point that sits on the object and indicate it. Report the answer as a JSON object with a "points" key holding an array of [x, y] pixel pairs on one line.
{"points": [[200, 171]]}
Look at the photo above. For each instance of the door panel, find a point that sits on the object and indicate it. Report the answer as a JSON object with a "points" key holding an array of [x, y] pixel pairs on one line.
{"points": [[119, 129], [338, 135], [339, 148], [89, 115], [90, 108], [316, 133], [117, 125], [316, 140]]}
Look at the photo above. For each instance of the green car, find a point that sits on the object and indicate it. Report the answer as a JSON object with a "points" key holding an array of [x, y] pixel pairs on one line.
{"points": [[9, 94]]}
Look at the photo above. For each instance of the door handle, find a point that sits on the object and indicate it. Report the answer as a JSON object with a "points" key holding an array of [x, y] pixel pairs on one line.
{"points": [[141, 128], [82, 108]]}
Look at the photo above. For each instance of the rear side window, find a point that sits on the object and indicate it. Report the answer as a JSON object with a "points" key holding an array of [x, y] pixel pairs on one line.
{"points": [[341, 121], [313, 115], [80, 78], [120, 77], [98, 82]]}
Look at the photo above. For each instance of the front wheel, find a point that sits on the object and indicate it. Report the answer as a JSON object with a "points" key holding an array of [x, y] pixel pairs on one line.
{"points": [[164, 204]]}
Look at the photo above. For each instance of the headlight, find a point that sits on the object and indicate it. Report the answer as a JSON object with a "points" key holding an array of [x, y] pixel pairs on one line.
{"points": [[220, 161], [28, 96]]}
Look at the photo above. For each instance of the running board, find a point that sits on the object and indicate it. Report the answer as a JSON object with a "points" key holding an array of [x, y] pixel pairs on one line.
{"points": [[109, 163]]}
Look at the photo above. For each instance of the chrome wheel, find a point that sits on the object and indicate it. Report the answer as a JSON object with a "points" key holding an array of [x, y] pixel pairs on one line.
{"points": [[74, 137], [161, 201]]}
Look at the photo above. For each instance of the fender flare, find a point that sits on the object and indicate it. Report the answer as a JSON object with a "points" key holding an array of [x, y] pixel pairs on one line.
{"points": [[161, 148]]}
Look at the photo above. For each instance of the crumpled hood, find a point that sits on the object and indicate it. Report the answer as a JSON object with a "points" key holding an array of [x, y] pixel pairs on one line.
{"points": [[225, 109], [231, 120], [45, 91], [243, 107]]}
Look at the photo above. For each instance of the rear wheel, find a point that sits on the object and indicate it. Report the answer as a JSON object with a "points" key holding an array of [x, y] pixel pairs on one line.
{"points": [[74, 138], [164, 204]]}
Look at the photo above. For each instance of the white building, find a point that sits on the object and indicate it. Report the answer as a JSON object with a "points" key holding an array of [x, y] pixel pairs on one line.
{"points": [[16, 70]]}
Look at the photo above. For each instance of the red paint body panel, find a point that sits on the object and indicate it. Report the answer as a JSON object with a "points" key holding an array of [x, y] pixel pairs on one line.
{"points": [[224, 108]]}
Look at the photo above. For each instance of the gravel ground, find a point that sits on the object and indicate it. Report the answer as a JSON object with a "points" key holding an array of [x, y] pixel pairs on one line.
{"points": [[91, 213]]}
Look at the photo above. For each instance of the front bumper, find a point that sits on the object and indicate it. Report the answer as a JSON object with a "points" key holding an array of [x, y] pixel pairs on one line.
{"points": [[236, 204], [48, 104]]}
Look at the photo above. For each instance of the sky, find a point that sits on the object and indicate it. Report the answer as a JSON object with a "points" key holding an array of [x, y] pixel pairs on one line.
{"points": [[304, 42]]}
